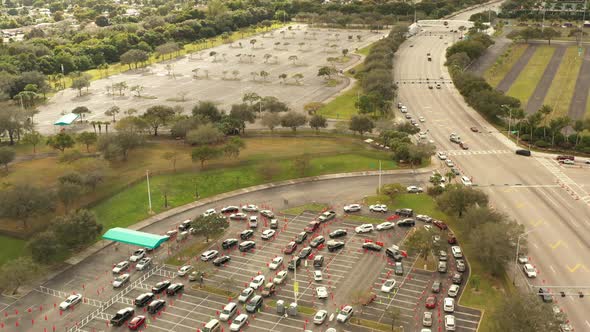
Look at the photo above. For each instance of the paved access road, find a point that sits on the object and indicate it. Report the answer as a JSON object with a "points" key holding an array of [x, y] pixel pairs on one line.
{"points": [[530, 190]]}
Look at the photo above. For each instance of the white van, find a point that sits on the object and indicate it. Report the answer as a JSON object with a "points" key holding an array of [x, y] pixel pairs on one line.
{"points": [[253, 222], [466, 181], [212, 326], [449, 323], [457, 253]]}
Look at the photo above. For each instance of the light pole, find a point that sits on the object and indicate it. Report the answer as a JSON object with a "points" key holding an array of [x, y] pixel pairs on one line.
{"points": [[509, 116], [147, 176], [516, 256]]}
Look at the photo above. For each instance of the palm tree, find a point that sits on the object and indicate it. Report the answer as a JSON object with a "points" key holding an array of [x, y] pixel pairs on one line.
{"points": [[556, 125], [519, 115], [450, 175], [578, 127], [545, 111], [533, 121]]}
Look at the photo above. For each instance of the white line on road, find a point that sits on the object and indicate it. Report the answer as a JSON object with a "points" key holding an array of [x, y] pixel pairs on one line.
{"points": [[587, 323], [552, 269]]}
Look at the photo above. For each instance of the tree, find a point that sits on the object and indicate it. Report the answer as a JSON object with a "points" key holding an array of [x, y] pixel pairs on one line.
{"points": [[61, 141], [264, 75], [120, 86], [242, 113], [302, 164], [23, 202], [326, 72], [293, 120], [113, 111], [81, 111], [81, 82], [17, 272], [171, 156], [420, 242], [477, 216], [157, 116], [318, 121], [7, 155], [68, 193], [361, 124], [283, 77], [550, 33], [233, 147], [313, 107], [209, 226], [533, 120], [298, 77], [134, 57], [204, 153], [101, 21], [545, 111], [270, 104], [137, 89], [87, 138], [251, 98], [45, 247], [117, 146], [522, 312], [77, 229], [208, 110], [578, 127], [556, 125], [393, 313], [204, 134], [271, 120], [33, 138], [456, 199]]}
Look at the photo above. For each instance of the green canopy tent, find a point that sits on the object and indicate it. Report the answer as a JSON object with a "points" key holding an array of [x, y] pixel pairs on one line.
{"points": [[137, 238]]}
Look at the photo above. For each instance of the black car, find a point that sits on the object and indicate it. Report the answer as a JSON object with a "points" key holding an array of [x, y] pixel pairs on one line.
{"points": [[526, 153], [246, 246], [545, 295], [295, 262], [156, 306], [254, 304], [317, 241], [335, 245], [174, 289], [221, 260], [408, 222], [274, 224], [393, 253], [404, 212], [305, 252], [372, 246], [301, 237], [318, 261], [338, 233], [245, 235], [228, 243], [230, 209], [161, 286], [121, 316], [144, 299]]}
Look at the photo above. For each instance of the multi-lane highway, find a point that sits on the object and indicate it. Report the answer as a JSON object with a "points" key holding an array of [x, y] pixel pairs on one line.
{"points": [[549, 199]]}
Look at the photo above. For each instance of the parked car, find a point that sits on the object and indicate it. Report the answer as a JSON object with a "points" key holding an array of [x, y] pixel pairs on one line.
{"points": [[414, 189], [245, 294], [184, 270], [161, 286], [385, 225], [280, 277], [276, 263], [209, 255], [238, 216], [267, 213], [529, 270], [230, 209], [228, 311], [344, 314], [372, 246], [143, 299], [335, 245], [120, 267], [238, 323], [448, 304], [301, 237], [290, 248], [228, 243], [337, 233], [327, 216], [321, 292], [364, 228], [453, 290], [268, 234], [221, 260], [122, 316], [545, 295], [430, 302], [246, 234], [388, 285], [312, 226], [250, 208], [408, 222], [404, 212], [268, 290], [121, 280], [71, 301], [143, 263], [378, 208], [427, 318], [257, 282], [320, 317], [137, 255], [136, 322], [317, 241], [155, 306], [318, 261], [352, 208], [174, 289]]}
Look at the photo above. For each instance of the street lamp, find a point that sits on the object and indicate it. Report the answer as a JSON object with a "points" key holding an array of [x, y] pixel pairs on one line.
{"points": [[509, 116], [516, 256]]}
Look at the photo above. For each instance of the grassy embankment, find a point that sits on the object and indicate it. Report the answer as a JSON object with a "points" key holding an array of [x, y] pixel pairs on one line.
{"points": [[503, 64], [529, 77], [562, 87]]}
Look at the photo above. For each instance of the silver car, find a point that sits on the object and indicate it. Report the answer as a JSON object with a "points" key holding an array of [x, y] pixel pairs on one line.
{"points": [[228, 311], [427, 318]]}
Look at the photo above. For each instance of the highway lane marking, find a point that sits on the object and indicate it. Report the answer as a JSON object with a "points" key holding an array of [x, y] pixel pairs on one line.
{"points": [[587, 323], [556, 244], [552, 269]]}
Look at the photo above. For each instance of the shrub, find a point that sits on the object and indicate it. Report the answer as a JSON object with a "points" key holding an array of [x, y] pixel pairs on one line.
{"points": [[542, 144], [71, 156]]}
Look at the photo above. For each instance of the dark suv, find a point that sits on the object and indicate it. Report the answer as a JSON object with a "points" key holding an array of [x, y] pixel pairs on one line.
{"points": [[335, 245], [254, 304], [521, 152], [404, 212], [245, 235], [174, 289], [121, 316], [156, 306], [295, 262], [161, 286], [228, 243], [338, 233], [393, 253], [545, 295], [318, 261], [301, 237], [144, 299]]}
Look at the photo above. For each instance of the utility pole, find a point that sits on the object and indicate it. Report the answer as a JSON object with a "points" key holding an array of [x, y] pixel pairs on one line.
{"points": [[516, 256], [379, 188], [147, 176]]}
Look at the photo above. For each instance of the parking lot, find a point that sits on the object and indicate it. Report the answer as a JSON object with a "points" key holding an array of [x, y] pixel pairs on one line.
{"points": [[344, 273]]}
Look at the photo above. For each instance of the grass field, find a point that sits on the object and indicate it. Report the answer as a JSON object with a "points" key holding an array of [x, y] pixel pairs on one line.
{"points": [[562, 88], [342, 107], [10, 248], [491, 289], [503, 64], [313, 207], [529, 77]]}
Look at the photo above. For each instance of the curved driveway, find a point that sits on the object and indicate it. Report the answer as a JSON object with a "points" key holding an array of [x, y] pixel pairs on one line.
{"points": [[524, 188]]}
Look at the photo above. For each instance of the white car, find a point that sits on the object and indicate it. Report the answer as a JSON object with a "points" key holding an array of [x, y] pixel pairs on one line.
{"points": [[238, 216], [450, 163], [275, 263], [404, 109], [320, 317], [238, 322], [414, 189], [568, 162], [466, 181], [120, 280], [250, 208], [267, 213], [184, 270], [344, 314], [385, 225], [257, 282], [137, 255], [453, 290], [378, 208], [209, 255], [421, 119], [441, 155], [209, 212], [388, 285], [143, 263], [456, 251], [364, 228], [317, 275], [449, 323], [280, 277], [449, 304], [321, 292], [352, 208], [522, 259], [228, 311], [120, 267], [268, 234], [529, 270], [245, 295], [70, 302]]}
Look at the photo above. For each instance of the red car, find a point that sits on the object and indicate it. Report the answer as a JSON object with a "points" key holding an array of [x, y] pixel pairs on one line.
{"points": [[290, 248], [312, 226], [136, 322], [440, 224], [392, 217], [451, 239], [431, 302]]}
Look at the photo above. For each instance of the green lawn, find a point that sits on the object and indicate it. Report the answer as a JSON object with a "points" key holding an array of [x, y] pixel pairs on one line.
{"points": [[131, 205], [313, 207], [365, 50], [10, 248], [562, 88], [529, 77], [504, 64], [365, 219], [342, 107]]}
